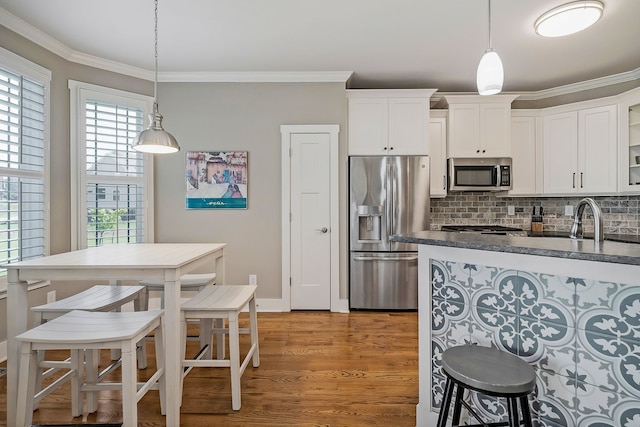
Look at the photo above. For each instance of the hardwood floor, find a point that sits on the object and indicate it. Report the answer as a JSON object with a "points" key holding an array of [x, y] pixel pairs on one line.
{"points": [[316, 369]]}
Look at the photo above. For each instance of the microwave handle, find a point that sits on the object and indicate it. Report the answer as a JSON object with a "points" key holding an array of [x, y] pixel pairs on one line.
{"points": [[498, 177]]}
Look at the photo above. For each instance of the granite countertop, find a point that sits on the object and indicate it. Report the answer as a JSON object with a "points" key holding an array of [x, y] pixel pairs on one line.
{"points": [[558, 247], [624, 238]]}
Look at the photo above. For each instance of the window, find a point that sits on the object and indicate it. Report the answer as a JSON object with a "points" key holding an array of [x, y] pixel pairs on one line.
{"points": [[112, 190], [24, 216]]}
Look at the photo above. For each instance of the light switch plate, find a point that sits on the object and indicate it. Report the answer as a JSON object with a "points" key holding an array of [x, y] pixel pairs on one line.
{"points": [[511, 210], [568, 210]]}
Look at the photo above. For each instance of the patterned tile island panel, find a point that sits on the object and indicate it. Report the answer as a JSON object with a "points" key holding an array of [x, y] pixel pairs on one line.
{"points": [[581, 336]]}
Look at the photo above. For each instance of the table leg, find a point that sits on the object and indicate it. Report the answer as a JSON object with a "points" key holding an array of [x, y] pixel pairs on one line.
{"points": [[17, 314]]}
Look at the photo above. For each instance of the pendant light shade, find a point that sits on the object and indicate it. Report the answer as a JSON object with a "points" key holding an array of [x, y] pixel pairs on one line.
{"points": [[490, 75], [154, 139], [569, 18]]}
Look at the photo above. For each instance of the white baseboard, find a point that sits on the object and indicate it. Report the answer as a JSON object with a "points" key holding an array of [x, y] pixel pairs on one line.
{"points": [[270, 305]]}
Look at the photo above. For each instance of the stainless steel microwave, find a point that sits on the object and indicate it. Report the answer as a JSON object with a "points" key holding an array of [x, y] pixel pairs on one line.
{"points": [[479, 174]]}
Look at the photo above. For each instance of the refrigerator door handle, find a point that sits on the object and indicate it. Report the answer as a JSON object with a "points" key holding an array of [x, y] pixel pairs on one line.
{"points": [[391, 177], [362, 258]]}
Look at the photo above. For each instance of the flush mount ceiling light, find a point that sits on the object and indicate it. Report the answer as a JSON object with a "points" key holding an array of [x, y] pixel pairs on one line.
{"points": [[490, 75], [154, 139], [569, 18]]}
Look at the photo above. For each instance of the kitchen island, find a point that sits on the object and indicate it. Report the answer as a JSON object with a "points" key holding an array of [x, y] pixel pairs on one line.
{"points": [[571, 308]]}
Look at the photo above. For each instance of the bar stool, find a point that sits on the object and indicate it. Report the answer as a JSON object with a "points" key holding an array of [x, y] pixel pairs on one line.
{"points": [[191, 282], [95, 298], [89, 331], [224, 302], [491, 372]]}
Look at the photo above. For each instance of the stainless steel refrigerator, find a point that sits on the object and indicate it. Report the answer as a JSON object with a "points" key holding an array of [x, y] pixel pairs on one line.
{"points": [[388, 195]]}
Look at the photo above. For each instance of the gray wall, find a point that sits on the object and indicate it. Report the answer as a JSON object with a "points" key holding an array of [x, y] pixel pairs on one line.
{"points": [[241, 117]]}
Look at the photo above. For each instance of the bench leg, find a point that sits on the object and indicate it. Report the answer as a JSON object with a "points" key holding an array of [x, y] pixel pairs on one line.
{"points": [[160, 365], [77, 360], [253, 324], [220, 348], [26, 385], [129, 386], [92, 361], [142, 304], [234, 360]]}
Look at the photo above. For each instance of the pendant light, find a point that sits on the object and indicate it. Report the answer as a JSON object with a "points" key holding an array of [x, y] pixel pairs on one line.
{"points": [[490, 75], [569, 18], [154, 139]]}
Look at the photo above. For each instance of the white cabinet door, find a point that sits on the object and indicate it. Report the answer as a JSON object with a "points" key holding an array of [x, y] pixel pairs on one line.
{"points": [[597, 151], [368, 126], [524, 156], [479, 126], [464, 130], [408, 126], [495, 131], [560, 152], [437, 156], [389, 122], [580, 151]]}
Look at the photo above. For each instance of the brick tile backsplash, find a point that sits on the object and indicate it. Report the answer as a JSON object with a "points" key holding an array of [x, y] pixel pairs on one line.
{"points": [[621, 214]]}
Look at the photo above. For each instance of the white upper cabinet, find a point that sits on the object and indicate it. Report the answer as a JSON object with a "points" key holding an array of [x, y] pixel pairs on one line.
{"points": [[479, 126], [580, 151], [438, 153], [629, 141], [526, 157], [389, 122]]}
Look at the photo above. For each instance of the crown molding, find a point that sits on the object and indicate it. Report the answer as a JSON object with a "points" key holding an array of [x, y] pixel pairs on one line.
{"points": [[257, 76], [32, 33], [581, 86]]}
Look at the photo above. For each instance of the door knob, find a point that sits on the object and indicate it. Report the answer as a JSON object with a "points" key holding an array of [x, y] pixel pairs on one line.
{"points": [[323, 230]]}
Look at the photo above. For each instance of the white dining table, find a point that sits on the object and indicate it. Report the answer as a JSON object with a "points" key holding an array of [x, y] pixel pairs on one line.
{"points": [[113, 263]]}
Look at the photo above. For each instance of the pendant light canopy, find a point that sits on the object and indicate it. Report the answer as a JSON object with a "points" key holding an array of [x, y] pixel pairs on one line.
{"points": [[154, 139], [490, 75], [569, 18]]}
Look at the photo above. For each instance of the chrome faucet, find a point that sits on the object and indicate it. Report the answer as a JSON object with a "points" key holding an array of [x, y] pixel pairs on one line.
{"points": [[576, 227]]}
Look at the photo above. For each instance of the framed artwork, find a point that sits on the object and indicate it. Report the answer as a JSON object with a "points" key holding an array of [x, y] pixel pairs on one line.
{"points": [[216, 179]]}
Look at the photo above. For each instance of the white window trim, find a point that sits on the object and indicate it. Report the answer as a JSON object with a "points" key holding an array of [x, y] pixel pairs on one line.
{"points": [[22, 66], [80, 92]]}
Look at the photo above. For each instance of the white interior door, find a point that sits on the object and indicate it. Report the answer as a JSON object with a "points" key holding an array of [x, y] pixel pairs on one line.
{"points": [[310, 201], [310, 221]]}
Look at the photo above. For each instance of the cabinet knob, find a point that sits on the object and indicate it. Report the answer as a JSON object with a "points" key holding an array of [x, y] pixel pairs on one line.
{"points": [[385, 148], [483, 151], [477, 151], [390, 148]]}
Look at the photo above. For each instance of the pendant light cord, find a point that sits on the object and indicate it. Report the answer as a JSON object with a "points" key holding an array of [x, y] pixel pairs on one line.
{"points": [[155, 75], [489, 23]]}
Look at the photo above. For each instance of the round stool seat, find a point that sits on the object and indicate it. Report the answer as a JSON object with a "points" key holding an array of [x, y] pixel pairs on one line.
{"points": [[489, 370]]}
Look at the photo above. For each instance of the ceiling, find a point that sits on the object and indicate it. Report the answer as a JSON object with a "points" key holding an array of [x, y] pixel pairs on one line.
{"points": [[385, 43]]}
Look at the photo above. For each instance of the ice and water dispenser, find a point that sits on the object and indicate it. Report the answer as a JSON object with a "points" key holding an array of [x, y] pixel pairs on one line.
{"points": [[369, 223]]}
